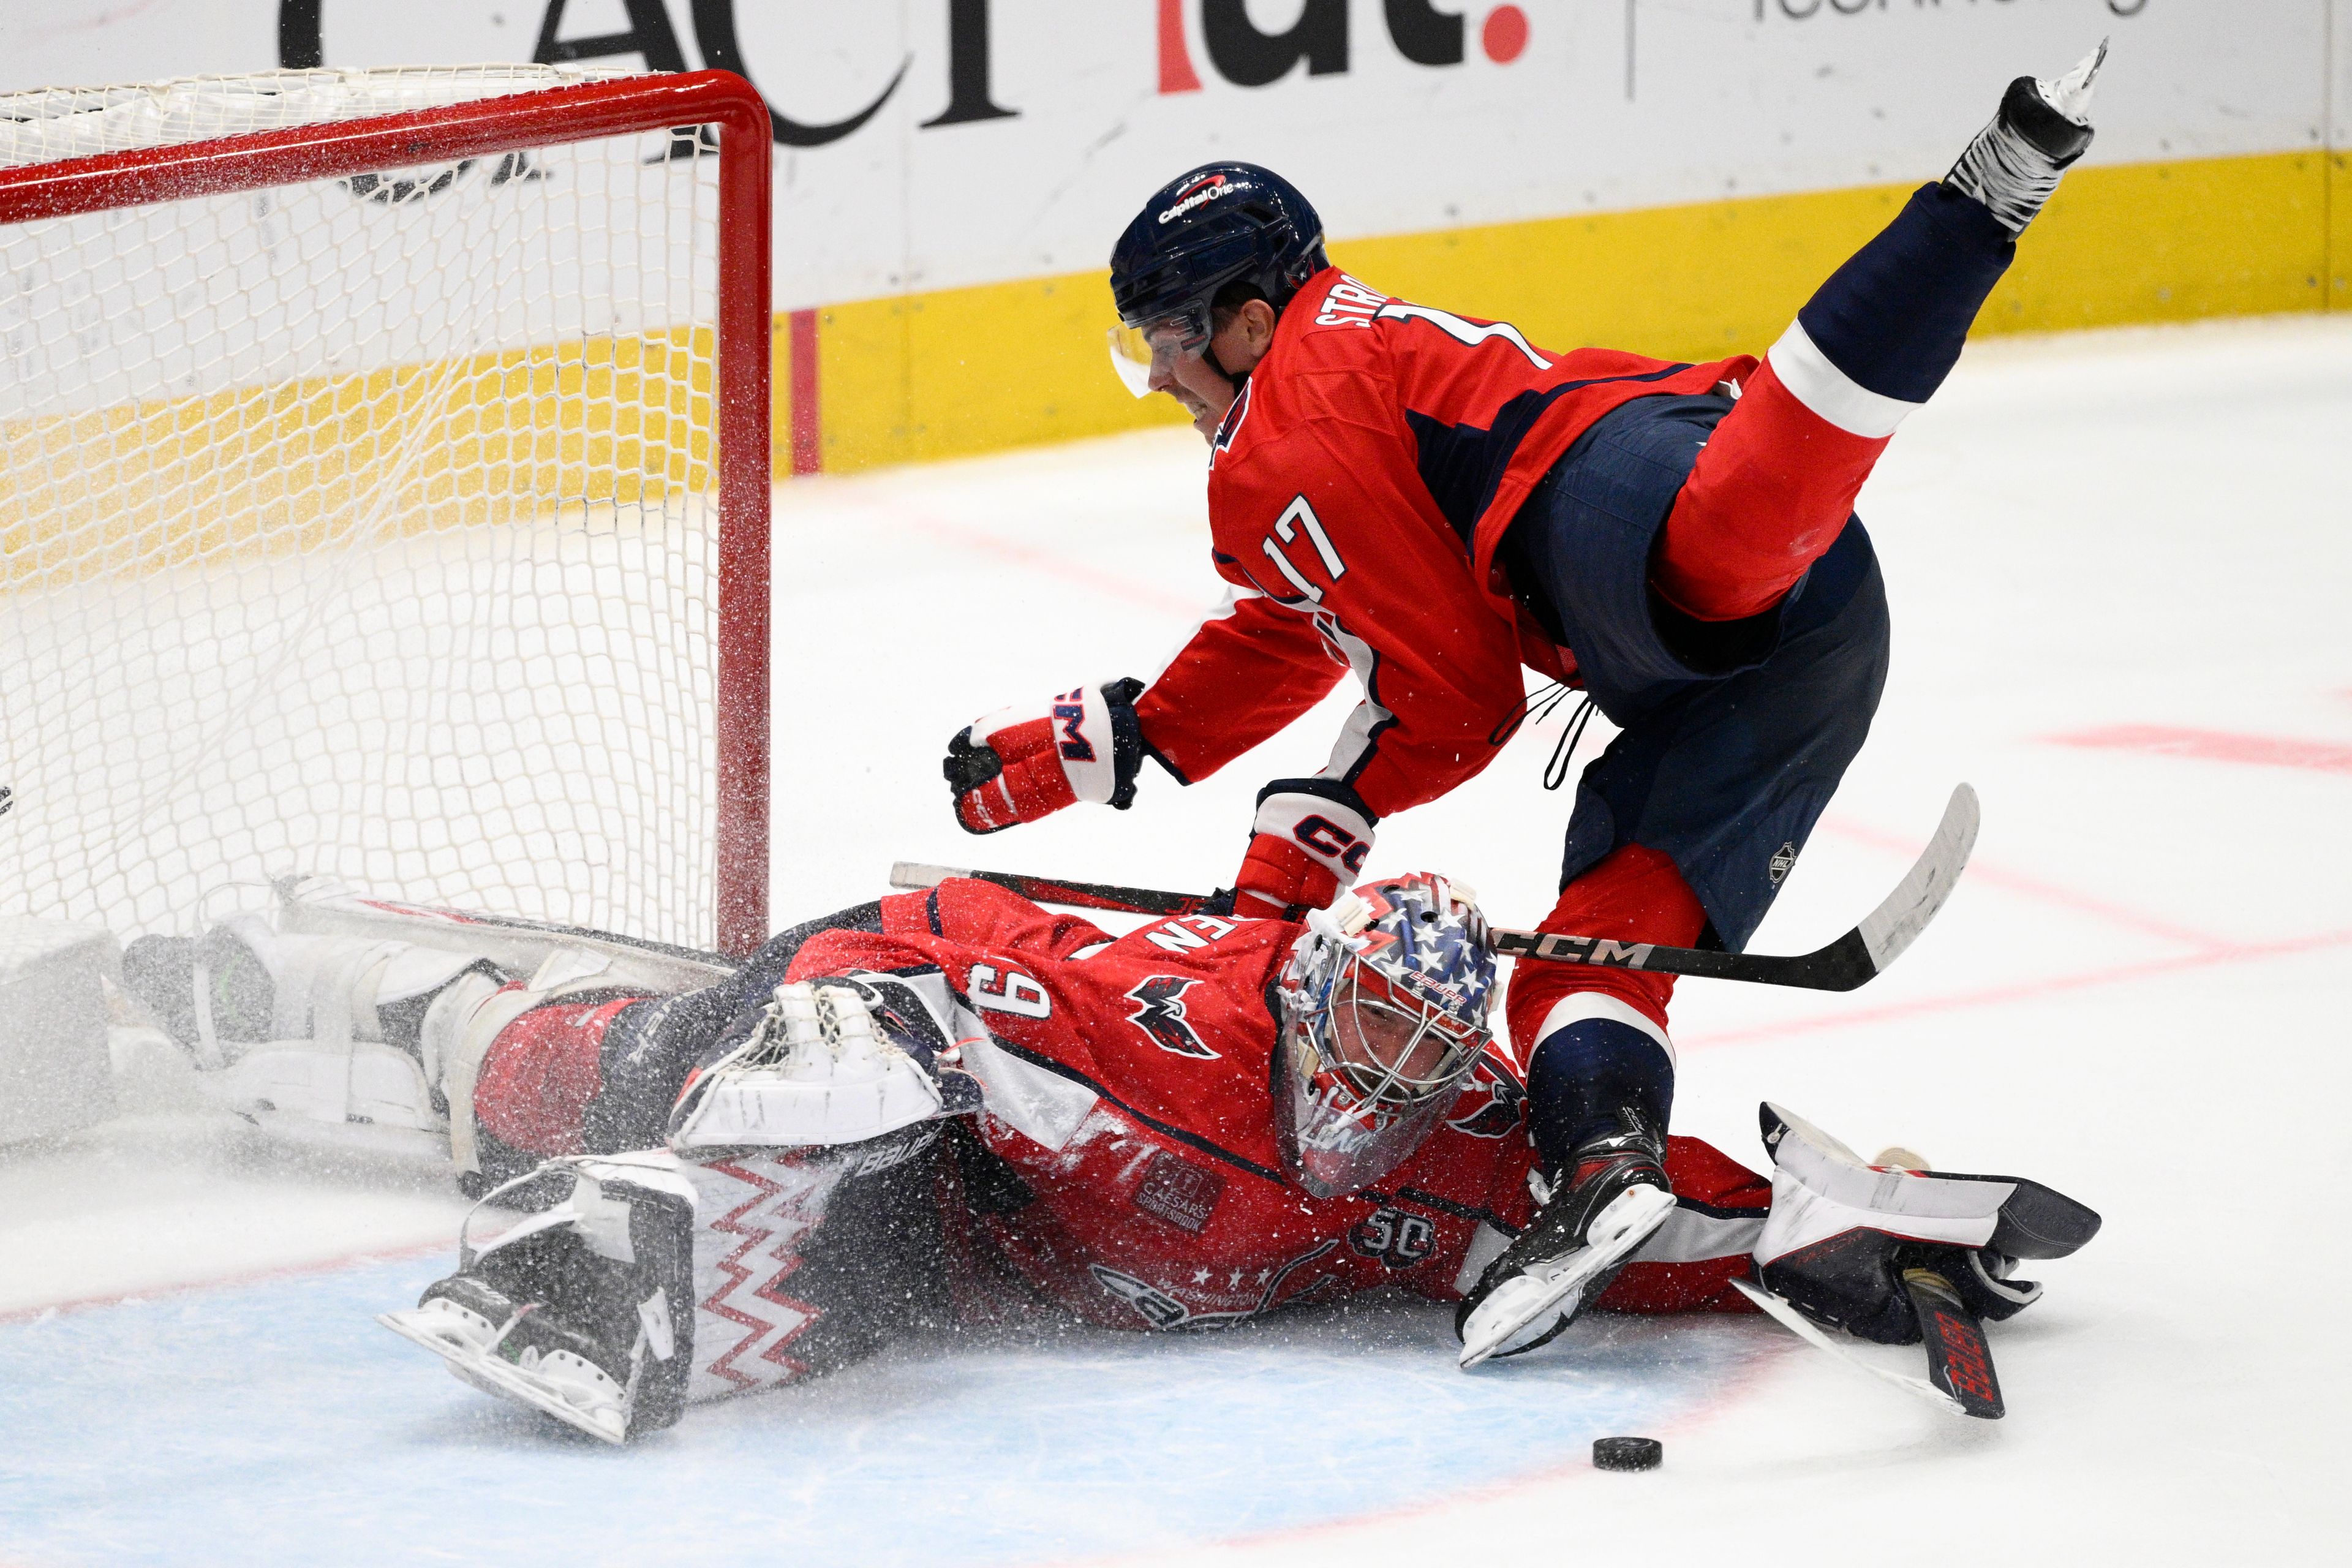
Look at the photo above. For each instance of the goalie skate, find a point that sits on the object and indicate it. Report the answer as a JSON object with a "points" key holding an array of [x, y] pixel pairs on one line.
{"points": [[576, 1310], [556, 1380]]}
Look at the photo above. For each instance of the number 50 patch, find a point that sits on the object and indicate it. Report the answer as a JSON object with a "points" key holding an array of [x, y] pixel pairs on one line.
{"points": [[1397, 1238]]}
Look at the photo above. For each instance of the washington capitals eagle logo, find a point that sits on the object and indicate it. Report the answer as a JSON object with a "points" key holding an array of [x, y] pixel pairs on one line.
{"points": [[1159, 1013]]}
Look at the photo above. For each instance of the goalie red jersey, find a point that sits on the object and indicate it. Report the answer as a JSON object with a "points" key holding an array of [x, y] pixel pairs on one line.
{"points": [[1128, 1145], [1358, 491]]}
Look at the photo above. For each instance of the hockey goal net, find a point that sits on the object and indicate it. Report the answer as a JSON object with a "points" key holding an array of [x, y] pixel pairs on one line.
{"points": [[383, 494]]}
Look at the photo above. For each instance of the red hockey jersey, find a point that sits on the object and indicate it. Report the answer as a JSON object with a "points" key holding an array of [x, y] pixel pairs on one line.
{"points": [[1128, 1103], [1358, 491]]}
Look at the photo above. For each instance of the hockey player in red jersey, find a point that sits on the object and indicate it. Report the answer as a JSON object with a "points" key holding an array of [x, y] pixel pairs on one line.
{"points": [[954, 1106], [1435, 504]]}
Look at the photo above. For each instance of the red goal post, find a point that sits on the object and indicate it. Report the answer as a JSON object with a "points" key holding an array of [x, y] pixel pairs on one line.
{"points": [[350, 149]]}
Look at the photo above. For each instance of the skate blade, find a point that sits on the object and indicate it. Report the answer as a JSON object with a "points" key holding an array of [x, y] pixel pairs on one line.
{"points": [[503, 1380], [1624, 1225], [1805, 1328]]}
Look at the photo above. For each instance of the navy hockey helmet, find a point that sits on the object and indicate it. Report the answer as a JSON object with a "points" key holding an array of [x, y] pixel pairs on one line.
{"points": [[1213, 225], [1384, 1017]]}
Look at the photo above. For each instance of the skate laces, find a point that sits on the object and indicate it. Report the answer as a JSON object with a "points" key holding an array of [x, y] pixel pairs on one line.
{"points": [[2003, 169]]}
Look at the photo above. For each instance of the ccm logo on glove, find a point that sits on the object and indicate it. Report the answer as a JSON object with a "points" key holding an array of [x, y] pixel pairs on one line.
{"points": [[1018, 765], [1308, 842], [1326, 840], [1070, 713]]}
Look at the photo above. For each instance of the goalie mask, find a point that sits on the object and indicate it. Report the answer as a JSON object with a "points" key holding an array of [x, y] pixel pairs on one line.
{"points": [[1384, 1015]]}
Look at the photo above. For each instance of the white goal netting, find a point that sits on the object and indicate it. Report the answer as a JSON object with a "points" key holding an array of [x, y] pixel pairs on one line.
{"points": [[361, 526]]}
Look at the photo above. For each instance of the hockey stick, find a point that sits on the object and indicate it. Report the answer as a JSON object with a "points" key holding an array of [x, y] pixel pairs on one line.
{"points": [[1852, 959], [1805, 1329]]}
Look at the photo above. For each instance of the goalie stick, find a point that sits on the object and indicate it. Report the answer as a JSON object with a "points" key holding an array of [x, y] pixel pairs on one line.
{"points": [[1959, 1378], [1852, 959]]}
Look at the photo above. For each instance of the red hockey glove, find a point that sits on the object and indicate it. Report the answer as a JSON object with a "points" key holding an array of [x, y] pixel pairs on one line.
{"points": [[1310, 840], [1018, 765]]}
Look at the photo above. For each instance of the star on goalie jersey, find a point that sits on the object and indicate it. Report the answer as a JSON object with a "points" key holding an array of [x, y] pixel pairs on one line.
{"points": [[1358, 491]]}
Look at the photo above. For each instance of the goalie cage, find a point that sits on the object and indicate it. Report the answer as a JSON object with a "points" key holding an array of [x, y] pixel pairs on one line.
{"points": [[384, 495]]}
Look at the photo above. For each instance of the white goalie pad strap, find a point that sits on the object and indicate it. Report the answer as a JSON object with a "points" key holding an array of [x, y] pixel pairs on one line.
{"points": [[1822, 1189], [1829, 391], [815, 1071], [440, 1039], [460, 1028], [1693, 1235], [1579, 1006], [1337, 835]]}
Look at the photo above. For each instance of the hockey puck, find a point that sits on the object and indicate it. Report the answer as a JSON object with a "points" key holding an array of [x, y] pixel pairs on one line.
{"points": [[1627, 1453]]}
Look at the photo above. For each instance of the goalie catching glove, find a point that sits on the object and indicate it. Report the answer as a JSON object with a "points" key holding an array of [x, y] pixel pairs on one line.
{"points": [[1017, 764]]}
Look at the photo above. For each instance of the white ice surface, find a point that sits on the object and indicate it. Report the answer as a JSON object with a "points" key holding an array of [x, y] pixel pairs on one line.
{"points": [[2137, 995]]}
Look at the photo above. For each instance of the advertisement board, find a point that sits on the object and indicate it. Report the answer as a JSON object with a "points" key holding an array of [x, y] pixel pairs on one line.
{"points": [[1670, 175]]}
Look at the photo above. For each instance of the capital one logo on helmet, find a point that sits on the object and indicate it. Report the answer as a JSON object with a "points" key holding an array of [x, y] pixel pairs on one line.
{"points": [[1207, 191]]}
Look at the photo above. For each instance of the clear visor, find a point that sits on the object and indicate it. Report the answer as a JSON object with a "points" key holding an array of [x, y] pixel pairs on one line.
{"points": [[1136, 351]]}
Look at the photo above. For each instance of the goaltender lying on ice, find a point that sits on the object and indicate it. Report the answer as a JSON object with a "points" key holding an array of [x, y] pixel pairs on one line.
{"points": [[955, 1106]]}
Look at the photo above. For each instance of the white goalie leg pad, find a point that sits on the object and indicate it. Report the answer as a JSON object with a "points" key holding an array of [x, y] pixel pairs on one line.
{"points": [[814, 1070], [327, 1061], [1821, 1188], [328, 987]]}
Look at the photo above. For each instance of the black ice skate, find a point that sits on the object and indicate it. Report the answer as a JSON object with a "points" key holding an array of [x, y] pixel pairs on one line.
{"points": [[2040, 129], [582, 1311], [1615, 1197]]}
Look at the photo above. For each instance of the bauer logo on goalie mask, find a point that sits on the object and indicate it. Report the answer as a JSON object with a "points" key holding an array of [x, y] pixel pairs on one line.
{"points": [[1384, 1017]]}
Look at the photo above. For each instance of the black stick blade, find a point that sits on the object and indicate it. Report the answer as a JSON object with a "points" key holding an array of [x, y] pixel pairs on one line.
{"points": [[1958, 1361]]}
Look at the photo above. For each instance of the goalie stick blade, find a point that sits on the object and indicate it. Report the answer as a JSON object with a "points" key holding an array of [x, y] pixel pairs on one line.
{"points": [[1806, 1329], [1959, 1362]]}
